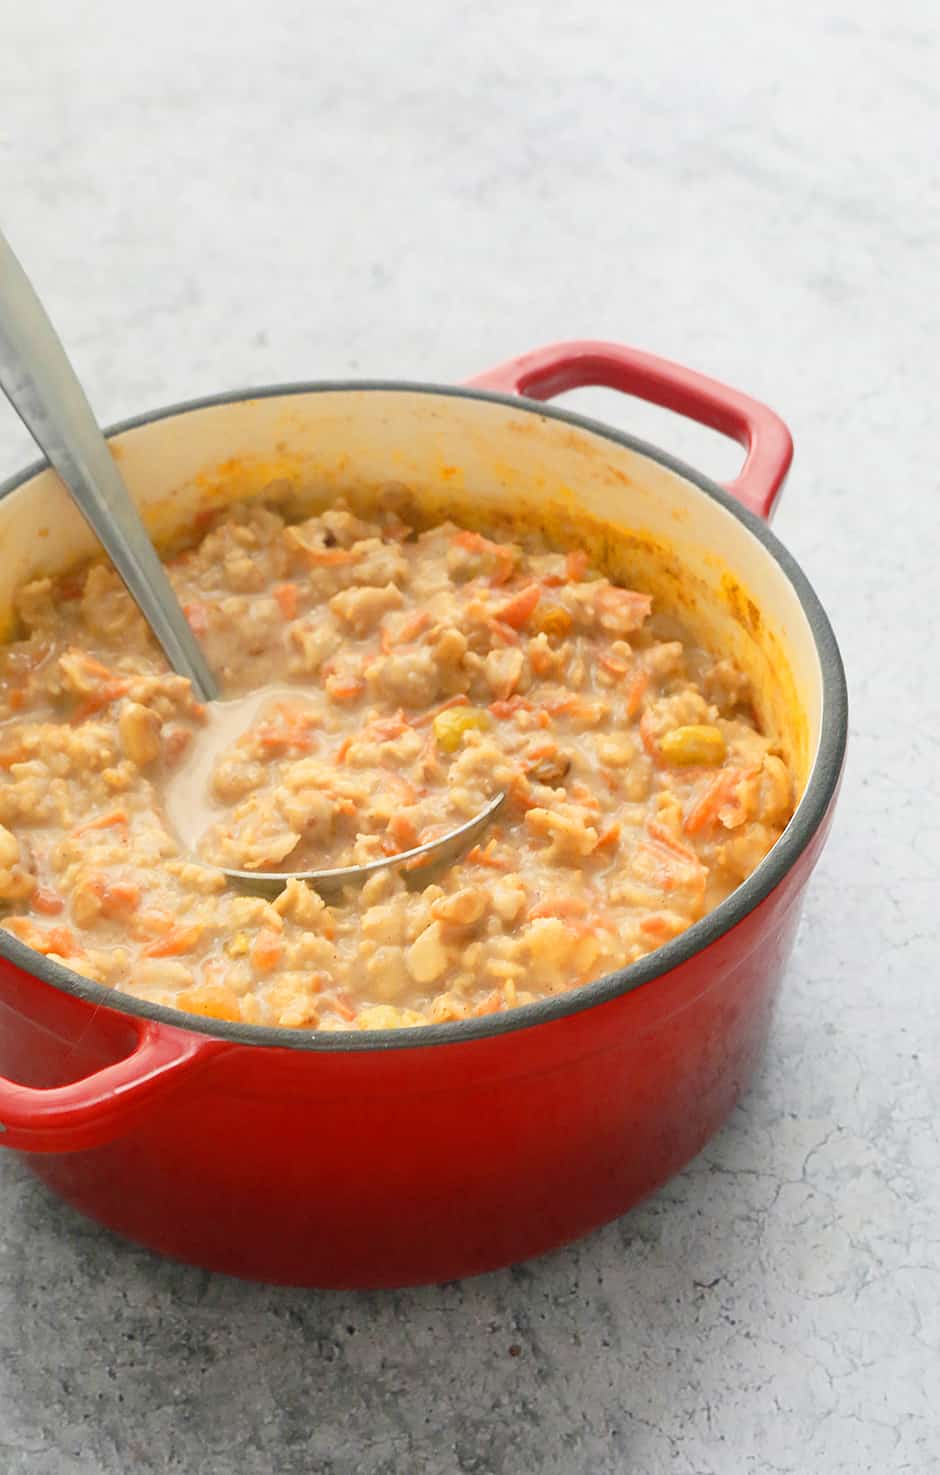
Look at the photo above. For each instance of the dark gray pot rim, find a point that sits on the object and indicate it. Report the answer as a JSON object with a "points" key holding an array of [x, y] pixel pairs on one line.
{"points": [[811, 811]]}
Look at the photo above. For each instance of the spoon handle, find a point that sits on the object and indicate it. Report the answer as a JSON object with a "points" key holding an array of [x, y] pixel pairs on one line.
{"points": [[41, 384]]}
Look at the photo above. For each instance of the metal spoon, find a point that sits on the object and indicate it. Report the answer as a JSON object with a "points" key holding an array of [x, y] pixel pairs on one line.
{"points": [[43, 388]]}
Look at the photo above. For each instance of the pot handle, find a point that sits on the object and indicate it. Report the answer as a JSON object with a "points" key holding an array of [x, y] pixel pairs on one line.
{"points": [[92, 1110], [558, 367]]}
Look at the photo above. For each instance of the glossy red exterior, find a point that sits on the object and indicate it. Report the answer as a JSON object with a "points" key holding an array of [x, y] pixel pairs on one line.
{"points": [[408, 1162], [388, 1168], [561, 367]]}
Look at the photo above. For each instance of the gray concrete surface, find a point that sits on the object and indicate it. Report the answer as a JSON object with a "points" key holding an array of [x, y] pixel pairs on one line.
{"points": [[211, 196]]}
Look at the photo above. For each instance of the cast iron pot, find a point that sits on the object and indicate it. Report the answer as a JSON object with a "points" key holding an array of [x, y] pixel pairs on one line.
{"points": [[399, 1157]]}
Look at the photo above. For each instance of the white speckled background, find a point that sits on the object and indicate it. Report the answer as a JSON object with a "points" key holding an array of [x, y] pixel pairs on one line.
{"points": [[212, 196]]}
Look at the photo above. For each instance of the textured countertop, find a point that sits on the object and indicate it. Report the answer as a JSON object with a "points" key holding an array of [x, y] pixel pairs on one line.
{"points": [[211, 196]]}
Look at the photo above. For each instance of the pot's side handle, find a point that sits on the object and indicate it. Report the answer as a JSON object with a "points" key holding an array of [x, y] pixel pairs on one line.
{"points": [[559, 367], [96, 1108]]}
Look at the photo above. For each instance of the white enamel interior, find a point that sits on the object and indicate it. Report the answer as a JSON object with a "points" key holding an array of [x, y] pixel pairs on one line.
{"points": [[493, 459]]}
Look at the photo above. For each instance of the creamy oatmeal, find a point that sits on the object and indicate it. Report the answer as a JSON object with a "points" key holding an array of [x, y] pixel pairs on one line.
{"points": [[404, 677]]}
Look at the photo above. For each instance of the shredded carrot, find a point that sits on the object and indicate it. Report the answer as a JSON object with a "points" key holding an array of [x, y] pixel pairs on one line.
{"points": [[48, 902], [510, 706], [574, 705], [408, 630], [343, 1005], [559, 906], [180, 940], [636, 692], [611, 664], [197, 617], [583, 795], [608, 838], [460, 700], [706, 808], [504, 633], [649, 740], [286, 596], [343, 749], [576, 564], [345, 689], [519, 609], [94, 667], [103, 822], [17, 700], [548, 749], [102, 696], [476, 543], [662, 836], [487, 858], [657, 926]]}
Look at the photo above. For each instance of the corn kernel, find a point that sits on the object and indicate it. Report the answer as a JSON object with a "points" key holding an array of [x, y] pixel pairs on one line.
{"points": [[450, 726], [694, 745], [238, 946]]}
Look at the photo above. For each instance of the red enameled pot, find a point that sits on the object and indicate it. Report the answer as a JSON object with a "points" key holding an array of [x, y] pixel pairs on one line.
{"points": [[393, 1158]]}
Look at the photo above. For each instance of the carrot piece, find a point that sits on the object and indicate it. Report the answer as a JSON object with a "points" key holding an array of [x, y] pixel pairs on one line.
{"points": [[48, 902], [615, 667], [583, 795], [197, 616], [402, 829], [416, 626], [180, 940], [636, 692], [266, 950], [102, 696], [487, 858], [576, 564], [94, 667], [649, 741], [608, 838], [505, 562], [460, 700], [559, 906], [518, 610], [60, 940], [119, 898], [706, 808], [344, 689], [343, 1005], [662, 837], [504, 633], [286, 596], [343, 749], [103, 822], [656, 925], [509, 706]]}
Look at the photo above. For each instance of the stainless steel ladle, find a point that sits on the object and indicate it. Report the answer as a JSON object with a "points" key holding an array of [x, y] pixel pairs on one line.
{"points": [[42, 386]]}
